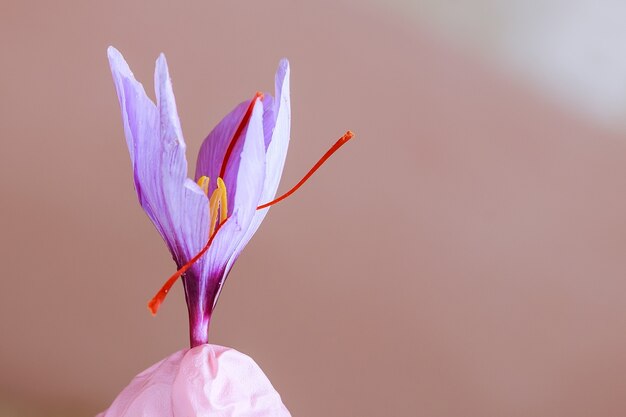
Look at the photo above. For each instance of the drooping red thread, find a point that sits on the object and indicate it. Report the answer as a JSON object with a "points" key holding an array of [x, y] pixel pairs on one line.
{"points": [[342, 141], [244, 122], [155, 302]]}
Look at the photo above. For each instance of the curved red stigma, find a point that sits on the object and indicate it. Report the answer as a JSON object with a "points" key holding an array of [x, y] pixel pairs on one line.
{"points": [[342, 141], [155, 302], [244, 122]]}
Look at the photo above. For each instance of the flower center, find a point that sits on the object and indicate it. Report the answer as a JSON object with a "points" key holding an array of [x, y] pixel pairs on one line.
{"points": [[218, 206], [218, 203]]}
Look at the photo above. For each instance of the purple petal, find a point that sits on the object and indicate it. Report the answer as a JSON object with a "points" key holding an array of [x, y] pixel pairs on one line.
{"points": [[269, 118], [174, 203], [276, 152], [214, 147], [248, 185], [277, 148]]}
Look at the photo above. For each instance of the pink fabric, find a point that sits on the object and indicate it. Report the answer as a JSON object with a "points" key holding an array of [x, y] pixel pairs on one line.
{"points": [[207, 381]]}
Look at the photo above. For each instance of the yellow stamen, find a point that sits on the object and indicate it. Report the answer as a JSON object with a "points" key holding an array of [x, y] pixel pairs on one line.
{"points": [[223, 200], [218, 203], [203, 182], [214, 202]]}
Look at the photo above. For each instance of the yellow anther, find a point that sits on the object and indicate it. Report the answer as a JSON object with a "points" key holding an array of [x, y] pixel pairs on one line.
{"points": [[203, 182], [214, 202], [223, 199], [217, 202]]}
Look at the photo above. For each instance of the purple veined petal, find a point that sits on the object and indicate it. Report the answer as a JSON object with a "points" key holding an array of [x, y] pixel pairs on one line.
{"points": [[202, 287], [249, 185], [269, 118], [214, 147], [277, 148], [276, 153], [189, 211], [175, 204], [250, 177], [170, 129], [211, 158], [137, 109], [276, 127]]}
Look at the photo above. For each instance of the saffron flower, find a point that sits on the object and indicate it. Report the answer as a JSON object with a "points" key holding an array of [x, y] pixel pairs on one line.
{"points": [[205, 222]]}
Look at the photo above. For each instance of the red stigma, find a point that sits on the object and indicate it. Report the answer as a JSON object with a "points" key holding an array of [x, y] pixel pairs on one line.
{"points": [[342, 141], [244, 122], [155, 302]]}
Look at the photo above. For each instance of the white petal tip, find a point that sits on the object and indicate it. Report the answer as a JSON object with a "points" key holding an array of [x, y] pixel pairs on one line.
{"points": [[283, 64], [118, 63], [161, 59]]}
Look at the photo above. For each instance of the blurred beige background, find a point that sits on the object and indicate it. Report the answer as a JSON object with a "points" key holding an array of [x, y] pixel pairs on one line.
{"points": [[463, 257]]}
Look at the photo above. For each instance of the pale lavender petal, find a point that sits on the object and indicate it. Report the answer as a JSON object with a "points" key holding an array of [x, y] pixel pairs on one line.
{"points": [[202, 287], [176, 205], [138, 111], [248, 183], [189, 209], [269, 118], [277, 148], [245, 185], [276, 152], [214, 148]]}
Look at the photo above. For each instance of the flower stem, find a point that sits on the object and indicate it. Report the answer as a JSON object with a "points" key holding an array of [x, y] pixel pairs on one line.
{"points": [[198, 328]]}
